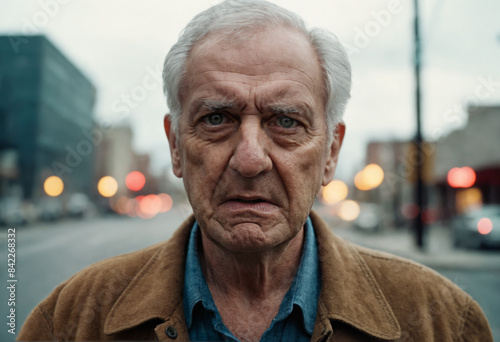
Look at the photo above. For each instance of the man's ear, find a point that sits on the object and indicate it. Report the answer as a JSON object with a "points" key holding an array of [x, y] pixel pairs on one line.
{"points": [[333, 154], [174, 148]]}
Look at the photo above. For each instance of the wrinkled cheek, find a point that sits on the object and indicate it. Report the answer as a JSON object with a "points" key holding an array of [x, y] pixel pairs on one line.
{"points": [[192, 171], [199, 179], [192, 157], [311, 175], [199, 196], [312, 168]]}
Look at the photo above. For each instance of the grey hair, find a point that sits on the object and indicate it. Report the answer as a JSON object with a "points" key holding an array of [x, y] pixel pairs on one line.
{"points": [[232, 17]]}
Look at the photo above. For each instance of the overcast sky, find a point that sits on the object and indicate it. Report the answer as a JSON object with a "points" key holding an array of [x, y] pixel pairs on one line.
{"points": [[120, 45]]}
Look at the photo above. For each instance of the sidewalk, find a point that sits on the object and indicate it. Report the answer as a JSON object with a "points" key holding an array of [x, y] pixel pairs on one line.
{"points": [[438, 253]]}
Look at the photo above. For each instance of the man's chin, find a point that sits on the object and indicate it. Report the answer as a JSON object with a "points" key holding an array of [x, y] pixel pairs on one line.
{"points": [[248, 237]]}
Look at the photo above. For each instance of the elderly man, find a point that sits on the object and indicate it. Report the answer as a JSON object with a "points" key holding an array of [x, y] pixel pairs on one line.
{"points": [[255, 129]]}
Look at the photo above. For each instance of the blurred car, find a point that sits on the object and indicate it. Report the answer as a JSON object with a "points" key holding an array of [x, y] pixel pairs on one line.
{"points": [[78, 205], [11, 212], [478, 227], [50, 209], [369, 218]]}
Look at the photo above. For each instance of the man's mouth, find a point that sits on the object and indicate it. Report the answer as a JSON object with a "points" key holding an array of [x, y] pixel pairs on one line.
{"points": [[259, 204], [256, 200]]}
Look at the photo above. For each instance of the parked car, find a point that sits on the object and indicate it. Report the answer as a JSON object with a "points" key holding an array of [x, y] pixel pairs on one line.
{"points": [[50, 209], [478, 227], [78, 205], [11, 212], [369, 218]]}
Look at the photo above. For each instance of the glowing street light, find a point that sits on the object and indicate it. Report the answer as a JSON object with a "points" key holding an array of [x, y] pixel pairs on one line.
{"points": [[360, 183], [349, 210], [369, 178], [107, 186], [334, 192], [53, 186]]}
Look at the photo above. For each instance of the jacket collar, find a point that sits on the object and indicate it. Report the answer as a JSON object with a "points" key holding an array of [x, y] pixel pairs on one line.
{"points": [[156, 290], [349, 291]]}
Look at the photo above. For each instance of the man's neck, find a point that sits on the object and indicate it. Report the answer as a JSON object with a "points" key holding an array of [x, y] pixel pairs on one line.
{"points": [[248, 288], [251, 276]]}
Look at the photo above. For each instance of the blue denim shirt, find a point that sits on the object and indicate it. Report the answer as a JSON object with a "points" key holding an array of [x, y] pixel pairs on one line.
{"points": [[297, 314]]}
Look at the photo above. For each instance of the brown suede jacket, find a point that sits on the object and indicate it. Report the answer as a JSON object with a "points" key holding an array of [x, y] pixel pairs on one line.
{"points": [[365, 296]]}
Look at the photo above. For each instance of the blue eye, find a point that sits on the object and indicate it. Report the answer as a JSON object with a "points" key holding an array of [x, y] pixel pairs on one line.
{"points": [[286, 122], [214, 119]]}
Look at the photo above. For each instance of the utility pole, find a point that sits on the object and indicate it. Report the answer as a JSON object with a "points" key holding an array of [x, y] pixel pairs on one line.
{"points": [[419, 185]]}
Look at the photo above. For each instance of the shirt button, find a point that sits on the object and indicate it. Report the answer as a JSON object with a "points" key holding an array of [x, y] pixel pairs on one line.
{"points": [[171, 332]]}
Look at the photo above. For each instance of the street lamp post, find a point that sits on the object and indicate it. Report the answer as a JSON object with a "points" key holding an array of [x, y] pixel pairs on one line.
{"points": [[419, 186]]}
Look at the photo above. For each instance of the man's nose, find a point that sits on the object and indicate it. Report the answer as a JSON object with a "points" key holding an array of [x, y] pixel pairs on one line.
{"points": [[250, 156]]}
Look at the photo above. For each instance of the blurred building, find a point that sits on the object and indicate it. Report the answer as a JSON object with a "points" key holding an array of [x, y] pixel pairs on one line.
{"points": [[143, 165], [395, 196], [46, 115], [475, 146], [115, 156]]}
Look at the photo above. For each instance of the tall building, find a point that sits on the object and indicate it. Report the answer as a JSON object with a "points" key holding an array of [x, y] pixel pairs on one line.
{"points": [[115, 156], [46, 116], [475, 146]]}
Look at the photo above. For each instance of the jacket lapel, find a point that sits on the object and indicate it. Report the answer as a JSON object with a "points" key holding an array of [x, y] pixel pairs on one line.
{"points": [[349, 291], [156, 291]]}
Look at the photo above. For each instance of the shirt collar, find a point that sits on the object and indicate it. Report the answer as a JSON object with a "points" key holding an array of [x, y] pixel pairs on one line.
{"points": [[350, 292], [303, 293], [307, 283], [197, 296], [194, 280]]}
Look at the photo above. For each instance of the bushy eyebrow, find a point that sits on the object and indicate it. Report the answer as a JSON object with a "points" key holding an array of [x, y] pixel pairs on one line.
{"points": [[212, 105], [282, 109]]}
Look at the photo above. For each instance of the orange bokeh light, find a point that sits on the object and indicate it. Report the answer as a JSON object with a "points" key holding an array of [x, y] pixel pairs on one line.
{"points": [[149, 206], [135, 181], [461, 177], [166, 202], [484, 226], [334, 192], [369, 178], [107, 186], [349, 210], [53, 186], [124, 205]]}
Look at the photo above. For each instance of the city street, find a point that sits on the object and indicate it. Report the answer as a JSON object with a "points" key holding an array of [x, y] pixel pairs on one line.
{"points": [[48, 253]]}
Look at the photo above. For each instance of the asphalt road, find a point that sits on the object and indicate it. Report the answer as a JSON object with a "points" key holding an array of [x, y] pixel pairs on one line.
{"points": [[49, 253]]}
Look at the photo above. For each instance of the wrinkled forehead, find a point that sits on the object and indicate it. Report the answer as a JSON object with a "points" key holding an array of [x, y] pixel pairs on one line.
{"points": [[259, 49]]}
